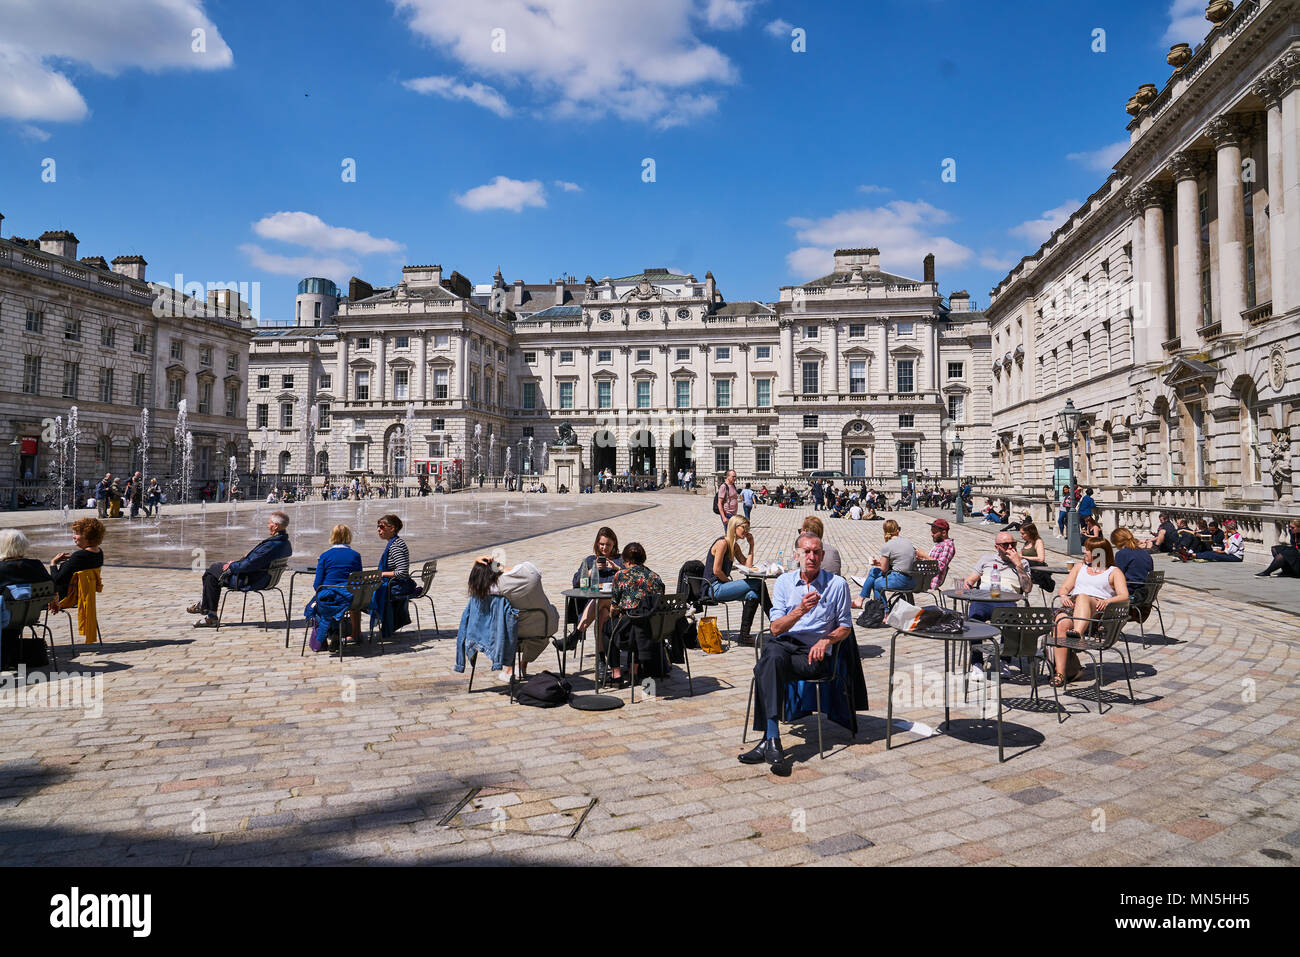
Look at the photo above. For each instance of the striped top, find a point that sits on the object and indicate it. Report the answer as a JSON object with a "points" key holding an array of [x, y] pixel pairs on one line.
{"points": [[399, 557]]}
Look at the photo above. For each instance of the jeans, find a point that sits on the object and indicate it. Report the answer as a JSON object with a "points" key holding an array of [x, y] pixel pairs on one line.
{"points": [[748, 509], [733, 591], [1060, 521], [877, 581], [1217, 557]]}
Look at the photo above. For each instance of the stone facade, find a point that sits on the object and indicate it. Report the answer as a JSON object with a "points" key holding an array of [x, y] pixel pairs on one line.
{"points": [[105, 340], [1168, 307], [653, 372]]}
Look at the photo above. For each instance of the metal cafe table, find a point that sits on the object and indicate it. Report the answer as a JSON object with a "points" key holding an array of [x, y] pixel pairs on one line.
{"points": [[973, 631], [758, 581], [583, 595]]}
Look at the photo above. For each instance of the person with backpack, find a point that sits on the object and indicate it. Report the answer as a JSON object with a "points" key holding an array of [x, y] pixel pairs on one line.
{"points": [[727, 502]]}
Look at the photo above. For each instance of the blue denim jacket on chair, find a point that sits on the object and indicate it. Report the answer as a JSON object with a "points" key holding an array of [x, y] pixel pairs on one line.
{"points": [[490, 626]]}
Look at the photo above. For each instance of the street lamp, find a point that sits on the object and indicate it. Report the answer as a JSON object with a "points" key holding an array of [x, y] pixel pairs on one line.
{"points": [[17, 446], [956, 451], [1069, 417]]}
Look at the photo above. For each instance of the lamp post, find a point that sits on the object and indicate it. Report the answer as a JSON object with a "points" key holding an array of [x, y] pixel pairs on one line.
{"points": [[1069, 417], [17, 446], [956, 451]]}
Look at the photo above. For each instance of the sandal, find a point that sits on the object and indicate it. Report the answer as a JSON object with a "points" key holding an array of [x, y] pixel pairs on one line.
{"points": [[1058, 680]]}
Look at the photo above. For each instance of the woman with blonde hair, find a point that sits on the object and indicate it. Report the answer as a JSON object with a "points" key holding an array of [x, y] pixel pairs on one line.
{"points": [[724, 554], [893, 569]]}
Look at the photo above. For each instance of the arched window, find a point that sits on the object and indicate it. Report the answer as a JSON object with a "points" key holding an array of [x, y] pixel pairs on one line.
{"points": [[284, 462], [323, 463]]}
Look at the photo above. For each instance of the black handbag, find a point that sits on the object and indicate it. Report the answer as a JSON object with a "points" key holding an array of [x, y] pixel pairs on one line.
{"points": [[545, 690], [873, 614]]}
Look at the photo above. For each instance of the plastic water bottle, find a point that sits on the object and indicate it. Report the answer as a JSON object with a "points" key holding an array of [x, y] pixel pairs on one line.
{"points": [[995, 584], [780, 560]]}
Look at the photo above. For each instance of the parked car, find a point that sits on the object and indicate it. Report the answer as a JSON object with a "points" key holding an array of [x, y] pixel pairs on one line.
{"points": [[825, 474]]}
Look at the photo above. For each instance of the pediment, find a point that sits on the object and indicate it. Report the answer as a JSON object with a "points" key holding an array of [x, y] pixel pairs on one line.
{"points": [[1187, 371], [904, 351], [360, 362], [858, 352]]}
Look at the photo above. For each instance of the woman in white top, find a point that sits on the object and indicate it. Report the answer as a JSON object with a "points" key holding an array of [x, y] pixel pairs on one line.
{"points": [[1087, 589]]}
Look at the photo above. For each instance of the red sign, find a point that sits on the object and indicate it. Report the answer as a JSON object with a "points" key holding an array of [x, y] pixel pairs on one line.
{"points": [[28, 446]]}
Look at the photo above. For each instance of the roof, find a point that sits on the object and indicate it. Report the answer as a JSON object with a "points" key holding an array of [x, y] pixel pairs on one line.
{"points": [[559, 312], [745, 307], [654, 275], [842, 279]]}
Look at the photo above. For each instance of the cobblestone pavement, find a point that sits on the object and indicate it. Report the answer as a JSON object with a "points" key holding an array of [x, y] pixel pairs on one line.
{"points": [[224, 747]]}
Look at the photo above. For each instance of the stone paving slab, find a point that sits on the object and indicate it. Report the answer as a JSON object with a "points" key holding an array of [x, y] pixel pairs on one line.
{"points": [[224, 747]]}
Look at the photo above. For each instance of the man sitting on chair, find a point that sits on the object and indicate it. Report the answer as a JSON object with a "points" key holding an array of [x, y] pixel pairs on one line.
{"points": [[247, 574], [810, 614]]}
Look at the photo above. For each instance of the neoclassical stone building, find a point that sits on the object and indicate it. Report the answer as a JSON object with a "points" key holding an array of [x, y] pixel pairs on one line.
{"points": [[1168, 307], [654, 372], [109, 342]]}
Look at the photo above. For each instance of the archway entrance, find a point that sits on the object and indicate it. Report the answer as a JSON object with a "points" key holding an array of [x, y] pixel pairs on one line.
{"points": [[604, 455], [681, 453], [642, 448]]}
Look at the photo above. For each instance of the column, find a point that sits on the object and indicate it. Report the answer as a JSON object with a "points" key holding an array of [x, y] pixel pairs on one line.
{"points": [[343, 387], [1188, 295], [625, 381], [1225, 132], [422, 377], [787, 355], [1270, 93], [708, 383], [547, 395], [381, 369], [1155, 299], [1289, 82], [833, 324], [1137, 342], [460, 382], [664, 400], [936, 372], [884, 354]]}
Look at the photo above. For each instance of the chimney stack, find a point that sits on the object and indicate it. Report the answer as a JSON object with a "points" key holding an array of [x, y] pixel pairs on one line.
{"points": [[130, 266], [927, 268], [710, 287], [559, 291], [519, 294], [959, 301], [59, 242]]}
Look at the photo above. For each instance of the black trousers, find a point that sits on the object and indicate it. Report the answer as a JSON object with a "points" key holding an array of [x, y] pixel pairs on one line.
{"points": [[211, 589], [780, 663], [1287, 559]]}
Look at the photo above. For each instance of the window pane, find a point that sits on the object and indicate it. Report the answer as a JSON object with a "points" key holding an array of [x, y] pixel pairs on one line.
{"points": [[724, 393], [566, 395], [905, 381], [858, 376], [604, 395], [763, 392], [811, 378], [530, 395], [643, 395], [683, 393], [810, 455], [762, 460]]}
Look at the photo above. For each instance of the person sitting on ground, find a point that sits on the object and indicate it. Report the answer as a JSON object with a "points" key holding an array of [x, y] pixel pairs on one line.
{"points": [[942, 551], [1216, 534], [521, 586], [1089, 587], [1165, 538], [724, 554], [810, 615], [1286, 558], [1012, 570], [1004, 513], [249, 573], [635, 594], [855, 512], [831, 555], [990, 514], [605, 562], [893, 569], [1184, 537], [17, 569], [87, 534], [1133, 560], [1234, 548]]}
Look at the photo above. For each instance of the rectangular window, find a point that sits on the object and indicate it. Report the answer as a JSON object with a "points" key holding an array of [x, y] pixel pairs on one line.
{"points": [[175, 392], [487, 389], [722, 389], [722, 459], [530, 395], [858, 375], [765, 428], [286, 382], [325, 382], [286, 415], [907, 456], [724, 353], [857, 330], [956, 370], [263, 415], [683, 387], [232, 400], [954, 408], [205, 398], [763, 393], [442, 342], [724, 430], [643, 355], [566, 395], [1250, 274], [141, 344], [325, 415], [32, 375], [811, 377], [107, 336], [358, 425], [762, 352], [72, 330], [403, 342], [357, 456], [905, 330], [35, 321], [604, 356], [439, 425], [473, 387], [137, 390], [264, 382], [106, 385], [907, 421], [530, 358], [527, 432], [643, 394], [810, 421], [604, 394], [361, 387], [566, 357], [205, 355], [401, 383], [810, 332], [810, 455], [683, 355], [71, 370], [363, 342], [905, 380], [440, 380], [763, 460], [316, 313], [177, 350]]}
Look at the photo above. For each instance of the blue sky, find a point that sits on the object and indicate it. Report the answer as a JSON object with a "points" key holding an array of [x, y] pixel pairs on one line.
{"points": [[525, 149]]}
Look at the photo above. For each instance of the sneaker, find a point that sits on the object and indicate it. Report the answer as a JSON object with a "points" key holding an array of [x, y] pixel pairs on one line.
{"points": [[1005, 670], [976, 673], [504, 678], [1263, 575]]}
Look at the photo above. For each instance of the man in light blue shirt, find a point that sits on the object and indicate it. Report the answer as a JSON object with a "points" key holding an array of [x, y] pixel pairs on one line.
{"points": [[747, 498], [811, 612]]}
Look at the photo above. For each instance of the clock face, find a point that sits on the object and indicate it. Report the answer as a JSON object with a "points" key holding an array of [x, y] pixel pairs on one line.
{"points": [[643, 314], [683, 314], [606, 315]]}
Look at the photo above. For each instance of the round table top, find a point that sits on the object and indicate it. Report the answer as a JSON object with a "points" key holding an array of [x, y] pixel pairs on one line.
{"points": [[590, 593], [977, 594], [973, 631], [750, 573]]}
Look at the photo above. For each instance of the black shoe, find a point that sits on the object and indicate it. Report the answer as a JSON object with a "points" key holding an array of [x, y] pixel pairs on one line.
{"points": [[568, 642], [756, 756], [768, 750], [1263, 574]]}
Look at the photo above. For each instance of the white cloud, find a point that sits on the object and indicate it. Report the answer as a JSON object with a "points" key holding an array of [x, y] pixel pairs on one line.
{"points": [[504, 193], [306, 229], [1039, 230], [778, 28], [727, 14], [449, 88], [568, 187], [298, 266], [991, 259], [903, 231], [1187, 23], [874, 189], [150, 35], [1102, 160], [33, 133], [585, 58]]}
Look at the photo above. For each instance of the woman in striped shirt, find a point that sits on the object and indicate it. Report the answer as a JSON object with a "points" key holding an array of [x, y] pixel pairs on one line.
{"points": [[389, 608]]}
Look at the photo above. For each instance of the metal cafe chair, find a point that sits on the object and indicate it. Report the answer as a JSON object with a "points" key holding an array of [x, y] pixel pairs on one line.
{"points": [[25, 613], [274, 572], [1099, 636], [426, 574], [1022, 632], [1146, 602], [839, 660], [924, 571]]}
